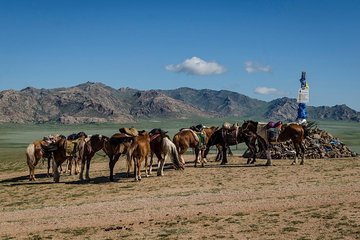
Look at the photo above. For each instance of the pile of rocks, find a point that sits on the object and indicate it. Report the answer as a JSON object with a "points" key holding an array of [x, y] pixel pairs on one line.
{"points": [[319, 144]]}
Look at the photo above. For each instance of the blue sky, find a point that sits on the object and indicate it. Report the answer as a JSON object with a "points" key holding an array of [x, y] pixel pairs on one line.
{"points": [[257, 48]]}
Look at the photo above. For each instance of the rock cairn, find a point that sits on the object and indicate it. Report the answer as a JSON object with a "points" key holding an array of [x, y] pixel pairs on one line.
{"points": [[319, 144]]}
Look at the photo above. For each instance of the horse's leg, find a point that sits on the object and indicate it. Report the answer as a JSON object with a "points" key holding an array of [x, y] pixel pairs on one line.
{"points": [[140, 160], [297, 153], [197, 160], [264, 146], [218, 155], [77, 163], [205, 153], [112, 162], [161, 163], [224, 155], [69, 165], [302, 153], [137, 169], [181, 153], [82, 168], [146, 167], [50, 158], [56, 174], [151, 162], [88, 161], [252, 154]]}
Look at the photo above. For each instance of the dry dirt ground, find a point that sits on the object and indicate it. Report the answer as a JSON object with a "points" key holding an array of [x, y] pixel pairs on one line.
{"points": [[320, 200]]}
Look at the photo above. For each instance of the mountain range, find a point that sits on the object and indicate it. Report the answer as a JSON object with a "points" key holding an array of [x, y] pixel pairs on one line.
{"points": [[95, 103]]}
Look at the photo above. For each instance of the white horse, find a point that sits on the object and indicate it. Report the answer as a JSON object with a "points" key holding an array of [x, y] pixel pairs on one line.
{"points": [[163, 147]]}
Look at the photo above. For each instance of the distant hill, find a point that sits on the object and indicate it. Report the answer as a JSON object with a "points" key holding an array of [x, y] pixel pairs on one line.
{"points": [[96, 102]]}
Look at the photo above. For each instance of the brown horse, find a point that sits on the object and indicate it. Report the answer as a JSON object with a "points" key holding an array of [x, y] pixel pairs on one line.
{"points": [[162, 147], [117, 145], [186, 138], [138, 152], [293, 131], [87, 149]]}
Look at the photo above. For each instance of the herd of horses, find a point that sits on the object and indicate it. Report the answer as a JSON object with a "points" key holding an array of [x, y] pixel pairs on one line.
{"points": [[137, 146]]}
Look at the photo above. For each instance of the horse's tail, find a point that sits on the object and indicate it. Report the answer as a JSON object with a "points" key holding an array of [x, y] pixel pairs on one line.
{"points": [[130, 152], [170, 146], [30, 156], [307, 128], [176, 142]]}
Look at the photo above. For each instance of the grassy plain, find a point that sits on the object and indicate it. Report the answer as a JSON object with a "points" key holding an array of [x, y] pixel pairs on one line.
{"points": [[14, 138]]}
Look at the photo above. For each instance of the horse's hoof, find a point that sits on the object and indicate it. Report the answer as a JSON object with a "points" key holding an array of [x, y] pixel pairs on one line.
{"points": [[222, 163], [202, 165]]}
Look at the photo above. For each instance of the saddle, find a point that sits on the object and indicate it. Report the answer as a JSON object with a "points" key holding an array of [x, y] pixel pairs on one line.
{"points": [[75, 136], [230, 133], [197, 128], [273, 131], [129, 131], [119, 138], [229, 126], [72, 147]]}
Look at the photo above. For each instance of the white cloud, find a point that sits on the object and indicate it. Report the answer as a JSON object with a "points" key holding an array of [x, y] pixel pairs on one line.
{"points": [[196, 66], [267, 91], [252, 67]]}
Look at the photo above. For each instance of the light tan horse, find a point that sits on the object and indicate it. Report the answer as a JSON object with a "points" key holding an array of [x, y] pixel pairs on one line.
{"points": [[37, 150], [138, 152], [187, 138]]}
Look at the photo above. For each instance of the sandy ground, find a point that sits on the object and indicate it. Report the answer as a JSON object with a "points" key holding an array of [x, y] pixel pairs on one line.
{"points": [[319, 200]]}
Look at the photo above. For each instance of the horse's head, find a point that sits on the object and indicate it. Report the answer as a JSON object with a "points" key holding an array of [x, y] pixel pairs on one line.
{"points": [[81, 134], [249, 125], [98, 139]]}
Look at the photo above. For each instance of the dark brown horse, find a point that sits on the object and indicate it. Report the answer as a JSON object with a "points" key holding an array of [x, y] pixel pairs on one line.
{"points": [[227, 137], [64, 151], [186, 138], [293, 131], [87, 149], [117, 145], [162, 147]]}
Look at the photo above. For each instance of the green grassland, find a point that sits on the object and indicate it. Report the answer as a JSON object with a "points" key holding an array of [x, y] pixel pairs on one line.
{"points": [[14, 138]]}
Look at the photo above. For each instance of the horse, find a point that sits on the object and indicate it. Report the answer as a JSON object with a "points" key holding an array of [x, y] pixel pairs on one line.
{"points": [[87, 149], [186, 138], [117, 145], [292, 131], [138, 152], [61, 153], [162, 147], [75, 138], [227, 137], [37, 150]]}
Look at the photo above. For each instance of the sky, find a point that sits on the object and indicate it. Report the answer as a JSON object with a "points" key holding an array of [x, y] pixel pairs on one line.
{"points": [[256, 48]]}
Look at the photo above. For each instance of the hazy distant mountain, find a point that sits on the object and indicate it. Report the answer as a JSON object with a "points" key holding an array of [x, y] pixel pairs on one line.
{"points": [[96, 102]]}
